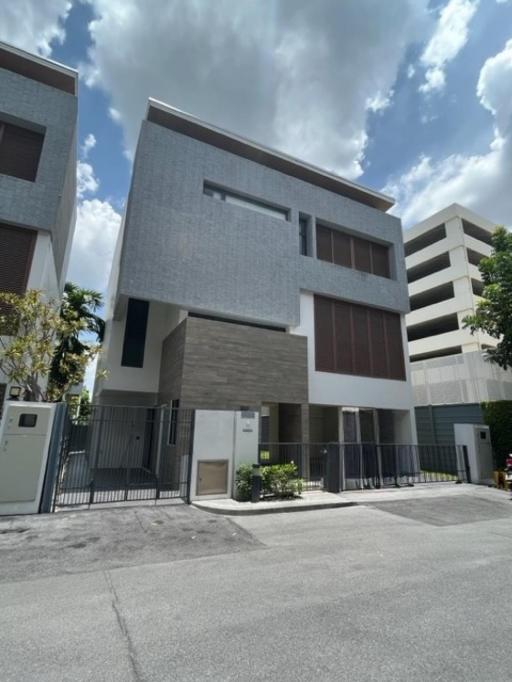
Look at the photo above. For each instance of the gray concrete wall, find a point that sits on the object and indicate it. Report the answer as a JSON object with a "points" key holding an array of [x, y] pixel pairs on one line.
{"points": [[204, 254], [48, 203], [434, 423], [171, 365]]}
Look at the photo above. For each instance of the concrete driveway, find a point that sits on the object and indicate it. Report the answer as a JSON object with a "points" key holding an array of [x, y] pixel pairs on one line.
{"points": [[393, 590]]}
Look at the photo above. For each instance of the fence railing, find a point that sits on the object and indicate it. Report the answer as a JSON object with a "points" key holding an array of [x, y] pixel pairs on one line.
{"points": [[346, 466]]}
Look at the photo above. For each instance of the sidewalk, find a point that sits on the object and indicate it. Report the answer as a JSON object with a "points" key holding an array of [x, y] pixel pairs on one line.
{"points": [[320, 499]]}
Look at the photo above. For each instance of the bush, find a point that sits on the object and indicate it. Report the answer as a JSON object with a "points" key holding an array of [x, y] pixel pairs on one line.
{"points": [[281, 480], [243, 482], [498, 417]]}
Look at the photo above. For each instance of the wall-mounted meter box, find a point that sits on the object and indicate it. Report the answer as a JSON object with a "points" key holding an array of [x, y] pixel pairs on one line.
{"points": [[24, 441]]}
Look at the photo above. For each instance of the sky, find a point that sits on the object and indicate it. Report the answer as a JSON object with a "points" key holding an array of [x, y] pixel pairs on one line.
{"points": [[410, 97]]}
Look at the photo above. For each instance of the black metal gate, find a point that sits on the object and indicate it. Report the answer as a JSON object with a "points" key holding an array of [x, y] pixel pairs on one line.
{"points": [[124, 454]]}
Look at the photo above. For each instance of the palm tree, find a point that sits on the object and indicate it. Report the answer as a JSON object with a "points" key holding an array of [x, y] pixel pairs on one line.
{"points": [[78, 305]]}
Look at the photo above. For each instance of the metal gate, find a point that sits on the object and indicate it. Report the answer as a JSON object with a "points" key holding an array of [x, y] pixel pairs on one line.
{"points": [[124, 454]]}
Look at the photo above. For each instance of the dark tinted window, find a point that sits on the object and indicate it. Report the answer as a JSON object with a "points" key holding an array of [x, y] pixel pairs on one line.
{"points": [[341, 248], [20, 150], [135, 333]]}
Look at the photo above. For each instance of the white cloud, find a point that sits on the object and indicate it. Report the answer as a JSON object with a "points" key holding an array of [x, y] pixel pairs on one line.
{"points": [[114, 114], [295, 74], [410, 71], [89, 143], [448, 39], [87, 182], [379, 102], [481, 181], [96, 231], [33, 26]]}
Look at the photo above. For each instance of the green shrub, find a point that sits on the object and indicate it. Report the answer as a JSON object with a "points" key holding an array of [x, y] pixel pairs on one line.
{"points": [[281, 480], [498, 417], [243, 482]]}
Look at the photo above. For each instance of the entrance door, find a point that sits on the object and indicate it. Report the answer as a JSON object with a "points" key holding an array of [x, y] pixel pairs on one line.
{"points": [[369, 447]]}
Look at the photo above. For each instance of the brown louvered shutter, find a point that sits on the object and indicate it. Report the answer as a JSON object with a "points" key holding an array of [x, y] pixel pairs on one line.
{"points": [[380, 259], [324, 243], [20, 150], [324, 335], [362, 362], [344, 338], [378, 344], [395, 346], [362, 259], [341, 249], [16, 250]]}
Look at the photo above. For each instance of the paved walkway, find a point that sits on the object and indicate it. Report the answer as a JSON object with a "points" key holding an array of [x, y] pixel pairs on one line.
{"points": [[314, 500]]}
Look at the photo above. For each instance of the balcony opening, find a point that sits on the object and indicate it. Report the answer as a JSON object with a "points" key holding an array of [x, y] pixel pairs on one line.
{"points": [[444, 352], [426, 239], [431, 296], [478, 287], [428, 267], [474, 258], [477, 232], [440, 325]]}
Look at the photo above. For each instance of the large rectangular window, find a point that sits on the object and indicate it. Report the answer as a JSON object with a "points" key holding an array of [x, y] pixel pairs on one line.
{"points": [[357, 339], [341, 248], [16, 249], [246, 202], [20, 150], [135, 333]]}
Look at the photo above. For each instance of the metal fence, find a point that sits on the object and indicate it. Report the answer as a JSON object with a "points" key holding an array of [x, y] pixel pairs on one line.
{"points": [[123, 454], [367, 465]]}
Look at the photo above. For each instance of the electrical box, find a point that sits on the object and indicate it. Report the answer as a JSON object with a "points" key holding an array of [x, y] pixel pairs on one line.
{"points": [[24, 442], [475, 442]]}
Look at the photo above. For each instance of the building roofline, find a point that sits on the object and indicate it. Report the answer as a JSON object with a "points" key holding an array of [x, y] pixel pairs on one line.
{"points": [[169, 117], [38, 68], [447, 213]]}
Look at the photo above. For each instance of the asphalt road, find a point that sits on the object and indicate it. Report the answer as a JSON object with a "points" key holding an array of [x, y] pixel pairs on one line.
{"points": [[401, 590]]}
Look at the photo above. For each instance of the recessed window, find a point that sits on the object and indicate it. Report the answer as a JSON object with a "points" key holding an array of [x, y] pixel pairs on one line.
{"points": [[342, 248], [135, 333], [244, 201], [304, 232], [20, 151]]}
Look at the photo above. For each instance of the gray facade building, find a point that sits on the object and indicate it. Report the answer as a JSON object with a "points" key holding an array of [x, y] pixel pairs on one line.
{"points": [[245, 277], [38, 119]]}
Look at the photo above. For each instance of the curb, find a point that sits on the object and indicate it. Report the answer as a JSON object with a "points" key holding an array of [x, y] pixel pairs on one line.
{"points": [[273, 510]]}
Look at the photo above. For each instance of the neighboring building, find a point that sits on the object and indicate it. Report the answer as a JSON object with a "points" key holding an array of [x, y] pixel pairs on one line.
{"points": [[450, 375], [245, 277], [38, 117]]}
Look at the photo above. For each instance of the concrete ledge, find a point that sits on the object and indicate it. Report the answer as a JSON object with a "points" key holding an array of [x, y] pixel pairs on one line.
{"points": [[309, 501]]}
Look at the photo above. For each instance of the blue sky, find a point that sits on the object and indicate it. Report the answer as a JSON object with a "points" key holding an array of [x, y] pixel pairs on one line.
{"points": [[410, 97]]}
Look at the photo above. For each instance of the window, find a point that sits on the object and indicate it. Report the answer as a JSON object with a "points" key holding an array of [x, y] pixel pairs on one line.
{"points": [[135, 333], [173, 422], [304, 235], [341, 248], [19, 243], [426, 239], [247, 202], [20, 150], [359, 340]]}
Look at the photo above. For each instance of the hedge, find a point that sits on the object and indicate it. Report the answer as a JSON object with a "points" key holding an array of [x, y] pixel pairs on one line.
{"points": [[498, 417]]}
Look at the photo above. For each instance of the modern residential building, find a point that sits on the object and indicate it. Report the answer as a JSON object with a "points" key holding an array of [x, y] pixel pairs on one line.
{"points": [[450, 375], [244, 277], [38, 117]]}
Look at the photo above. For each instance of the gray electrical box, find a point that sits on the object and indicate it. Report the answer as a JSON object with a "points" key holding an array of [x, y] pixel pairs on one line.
{"points": [[24, 440], [475, 441]]}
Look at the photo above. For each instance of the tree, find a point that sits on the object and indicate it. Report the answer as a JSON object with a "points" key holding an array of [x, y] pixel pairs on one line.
{"points": [[30, 328], [78, 312], [494, 312]]}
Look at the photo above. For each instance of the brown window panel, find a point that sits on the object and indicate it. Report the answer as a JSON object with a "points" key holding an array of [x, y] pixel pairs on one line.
{"points": [[16, 250], [344, 338], [380, 260], [341, 248], [324, 335], [20, 151], [3, 388], [324, 243], [356, 339]]}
